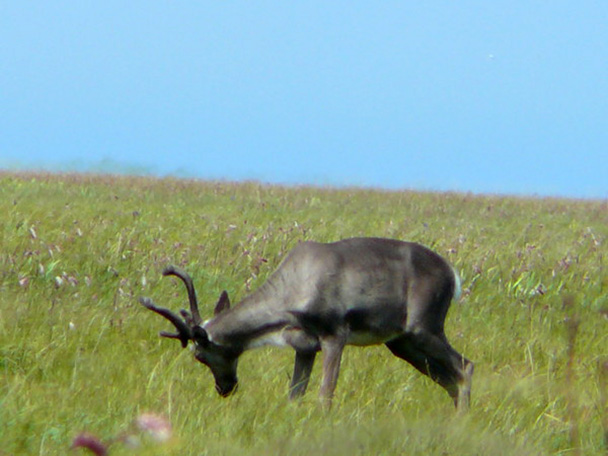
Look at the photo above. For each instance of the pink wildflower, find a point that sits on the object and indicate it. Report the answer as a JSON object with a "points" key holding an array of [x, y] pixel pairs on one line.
{"points": [[155, 426]]}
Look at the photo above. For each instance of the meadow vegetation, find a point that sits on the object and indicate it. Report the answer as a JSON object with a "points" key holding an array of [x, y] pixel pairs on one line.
{"points": [[78, 353]]}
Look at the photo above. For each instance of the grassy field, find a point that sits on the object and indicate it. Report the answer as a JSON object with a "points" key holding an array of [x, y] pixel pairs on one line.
{"points": [[77, 352]]}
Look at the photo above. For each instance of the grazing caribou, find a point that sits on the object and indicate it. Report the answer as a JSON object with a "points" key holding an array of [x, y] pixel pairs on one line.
{"points": [[360, 291]]}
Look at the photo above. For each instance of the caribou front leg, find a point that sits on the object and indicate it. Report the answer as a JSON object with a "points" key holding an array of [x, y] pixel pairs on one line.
{"points": [[332, 348], [301, 373]]}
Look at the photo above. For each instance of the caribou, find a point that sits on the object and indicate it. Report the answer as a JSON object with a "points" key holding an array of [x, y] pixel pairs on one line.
{"points": [[322, 297]]}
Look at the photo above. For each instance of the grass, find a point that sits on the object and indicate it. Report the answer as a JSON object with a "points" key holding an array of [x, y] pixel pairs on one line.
{"points": [[77, 353]]}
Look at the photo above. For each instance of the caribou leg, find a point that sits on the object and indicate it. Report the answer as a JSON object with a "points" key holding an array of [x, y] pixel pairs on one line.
{"points": [[332, 348], [301, 373], [432, 355]]}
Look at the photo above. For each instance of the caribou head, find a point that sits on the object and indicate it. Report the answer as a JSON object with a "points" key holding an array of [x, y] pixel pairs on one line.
{"points": [[221, 360]]}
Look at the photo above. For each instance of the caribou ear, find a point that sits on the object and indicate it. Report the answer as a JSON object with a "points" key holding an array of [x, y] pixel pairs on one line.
{"points": [[223, 304]]}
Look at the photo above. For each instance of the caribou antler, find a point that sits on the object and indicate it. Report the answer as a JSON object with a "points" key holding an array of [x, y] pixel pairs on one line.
{"points": [[183, 275], [184, 332]]}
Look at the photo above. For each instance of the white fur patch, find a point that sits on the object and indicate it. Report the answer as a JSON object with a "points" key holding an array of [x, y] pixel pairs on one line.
{"points": [[457, 285], [272, 338], [208, 334]]}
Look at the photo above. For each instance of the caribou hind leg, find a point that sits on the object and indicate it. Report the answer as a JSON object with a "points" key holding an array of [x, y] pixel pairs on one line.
{"points": [[423, 343], [432, 355]]}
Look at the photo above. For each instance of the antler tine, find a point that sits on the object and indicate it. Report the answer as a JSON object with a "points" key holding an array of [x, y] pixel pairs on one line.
{"points": [[183, 275], [187, 317], [184, 332]]}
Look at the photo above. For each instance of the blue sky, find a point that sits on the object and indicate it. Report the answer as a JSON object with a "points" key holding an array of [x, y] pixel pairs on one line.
{"points": [[487, 97]]}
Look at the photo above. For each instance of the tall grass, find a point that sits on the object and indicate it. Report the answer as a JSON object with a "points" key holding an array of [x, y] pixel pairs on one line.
{"points": [[78, 353]]}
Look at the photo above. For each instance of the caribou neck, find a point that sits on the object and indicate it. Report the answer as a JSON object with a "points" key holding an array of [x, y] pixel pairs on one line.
{"points": [[257, 320]]}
